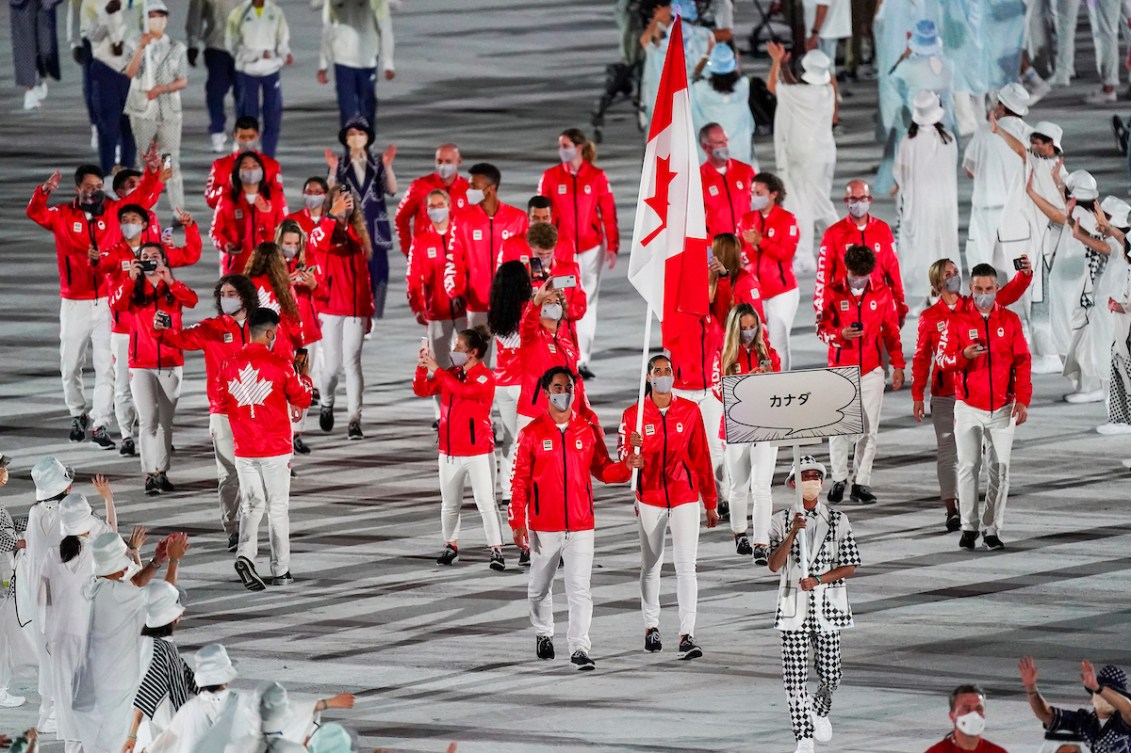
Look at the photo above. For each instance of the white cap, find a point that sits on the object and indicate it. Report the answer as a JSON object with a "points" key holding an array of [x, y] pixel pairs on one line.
{"points": [[1015, 98], [1049, 131], [274, 707], [816, 65], [156, 5], [75, 517], [162, 604], [928, 110], [1082, 185], [51, 478], [1117, 209], [213, 667], [331, 738], [808, 463], [110, 554]]}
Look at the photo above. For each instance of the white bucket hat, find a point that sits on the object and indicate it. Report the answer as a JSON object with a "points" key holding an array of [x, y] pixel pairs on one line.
{"points": [[1082, 185], [331, 738], [110, 555], [928, 110], [213, 667], [75, 516], [816, 66], [274, 707], [925, 38], [1117, 209], [51, 478], [1015, 98], [808, 463], [162, 604], [1050, 131]]}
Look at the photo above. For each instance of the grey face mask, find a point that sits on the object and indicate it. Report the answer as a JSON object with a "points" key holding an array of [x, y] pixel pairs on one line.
{"points": [[446, 171], [748, 335], [857, 283], [131, 231], [459, 358], [859, 209], [314, 200], [663, 384], [561, 400], [953, 284], [758, 203], [251, 176], [552, 311], [231, 305], [567, 153], [438, 214], [984, 300], [722, 153]]}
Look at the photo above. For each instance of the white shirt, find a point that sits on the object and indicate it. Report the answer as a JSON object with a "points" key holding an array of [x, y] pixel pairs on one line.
{"points": [[355, 33], [838, 18], [104, 30], [252, 32], [996, 168]]}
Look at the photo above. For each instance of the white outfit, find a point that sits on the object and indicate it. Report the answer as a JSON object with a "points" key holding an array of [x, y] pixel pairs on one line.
{"points": [[265, 486], [155, 393], [249, 35], [124, 410], [355, 34], [506, 402], [163, 62], [731, 111], [546, 550], [653, 522], [42, 537], [1103, 16], [1075, 308], [751, 469], [227, 480], [208, 721], [805, 154], [696, 43], [928, 207], [342, 337], [871, 401], [780, 312], [711, 408], [999, 176], [85, 326], [592, 263], [454, 471], [974, 428]]}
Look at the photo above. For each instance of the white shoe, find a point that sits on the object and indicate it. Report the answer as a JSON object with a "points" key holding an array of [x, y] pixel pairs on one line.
{"points": [[49, 724], [804, 746], [1040, 90], [94, 138], [31, 102], [1127, 464], [1100, 97], [219, 143], [1110, 428], [41, 90], [822, 728], [1047, 365], [9, 701], [1060, 80], [1095, 396]]}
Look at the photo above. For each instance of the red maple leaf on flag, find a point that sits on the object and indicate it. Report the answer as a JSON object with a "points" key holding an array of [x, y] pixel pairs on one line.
{"points": [[658, 201]]}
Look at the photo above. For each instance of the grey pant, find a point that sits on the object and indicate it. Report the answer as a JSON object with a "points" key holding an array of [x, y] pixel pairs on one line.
{"points": [[167, 134], [155, 392], [942, 416]]}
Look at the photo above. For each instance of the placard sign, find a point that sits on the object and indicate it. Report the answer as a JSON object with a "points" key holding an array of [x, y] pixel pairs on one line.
{"points": [[792, 406]]}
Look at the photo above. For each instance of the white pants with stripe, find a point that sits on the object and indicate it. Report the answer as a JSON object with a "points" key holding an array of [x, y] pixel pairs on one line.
{"points": [[751, 469], [546, 549], [227, 478], [124, 410], [994, 430], [342, 337], [84, 326], [871, 401], [454, 471], [506, 402], [265, 487], [653, 522], [592, 264], [156, 392]]}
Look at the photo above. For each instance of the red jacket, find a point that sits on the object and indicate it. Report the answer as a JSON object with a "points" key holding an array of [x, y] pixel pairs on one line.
{"points": [[540, 351], [412, 213], [219, 180], [772, 260], [148, 348], [509, 369], [584, 211], [875, 310], [517, 249], [79, 279], [877, 236], [289, 334], [726, 197], [116, 263], [550, 486], [347, 291], [465, 408], [1002, 373], [428, 258], [317, 234], [257, 388], [932, 322], [677, 460], [307, 298], [219, 337], [744, 288], [694, 351], [476, 242], [242, 226]]}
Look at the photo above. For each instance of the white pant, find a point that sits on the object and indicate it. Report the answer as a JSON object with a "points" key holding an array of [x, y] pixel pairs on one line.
{"points": [[972, 428], [984, 222], [942, 417], [124, 410], [780, 311], [711, 408], [871, 400], [751, 469], [155, 392], [506, 402], [167, 133], [454, 471], [684, 523], [265, 485], [227, 480], [592, 264], [16, 650], [546, 549], [85, 325], [1103, 16], [342, 337]]}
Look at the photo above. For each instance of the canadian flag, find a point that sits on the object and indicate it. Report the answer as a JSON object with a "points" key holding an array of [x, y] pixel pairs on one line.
{"points": [[668, 262]]}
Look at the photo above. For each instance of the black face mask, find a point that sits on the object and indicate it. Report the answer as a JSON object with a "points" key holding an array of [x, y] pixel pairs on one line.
{"points": [[93, 203]]}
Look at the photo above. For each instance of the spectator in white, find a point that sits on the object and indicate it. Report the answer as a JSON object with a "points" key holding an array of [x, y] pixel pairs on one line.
{"points": [[827, 22], [811, 610], [927, 196], [722, 97], [262, 392], [1103, 17], [998, 176], [159, 71], [35, 48], [110, 27], [16, 649], [804, 148], [697, 41], [258, 38], [968, 714], [286, 718], [1106, 727], [1115, 296], [206, 25], [355, 33]]}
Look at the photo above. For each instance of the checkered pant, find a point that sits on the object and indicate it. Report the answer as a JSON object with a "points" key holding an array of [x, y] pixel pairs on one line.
{"points": [[796, 646]]}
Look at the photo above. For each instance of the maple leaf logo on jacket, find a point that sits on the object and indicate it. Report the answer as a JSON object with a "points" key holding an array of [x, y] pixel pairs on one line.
{"points": [[249, 389], [267, 299]]}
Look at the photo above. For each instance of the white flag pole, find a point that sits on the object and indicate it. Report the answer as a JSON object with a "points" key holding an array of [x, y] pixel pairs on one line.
{"points": [[803, 544], [643, 382]]}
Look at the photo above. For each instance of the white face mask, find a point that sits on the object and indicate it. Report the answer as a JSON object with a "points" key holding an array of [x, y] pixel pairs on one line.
{"points": [[157, 25], [758, 203], [131, 231], [438, 215], [314, 200], [447, 171], [474, 196], [810, 490], [859, 209], [290, 252], [561, 400], [567, 153], [459, 358], [663, 384], [722, 154], [971, 724], [231, 305], [551, 311]]}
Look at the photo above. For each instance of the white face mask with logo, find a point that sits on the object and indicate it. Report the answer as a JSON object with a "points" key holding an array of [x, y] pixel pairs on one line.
{"points": [[971, 724]]}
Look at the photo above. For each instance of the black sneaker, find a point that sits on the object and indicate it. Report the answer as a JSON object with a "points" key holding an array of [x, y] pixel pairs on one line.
{"points": [[581, 662], [688, 649], [152, 486], [101, 437], [504, 505], [991, 542], [836, 494], [293, 474], [953, 522], [968, 540], [1119, 130], [497, 563], [449, 556], [436, 425], [326, 418], [742, 545], [233, 542], [862, 495], [315, 398], [761, 555], [723, 509], [300, 446], [245, 568], [78, 428], [584, 372], [652, 643], [283, 580], [163, 483], [355, 430], [544, 647], [524, 558], [128, 447]]}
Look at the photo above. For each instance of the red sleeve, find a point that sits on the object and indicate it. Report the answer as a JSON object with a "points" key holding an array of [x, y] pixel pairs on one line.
{"points": [[1022, 367], [213, 188], [826, 267], [529, 324], [829, 326], [422, 386], [541, 191], [775, 359], [521, 479], [607, 206], [188, 254], [948, 355], [120, 299], [298, 389], [890, 332], [604, 468], [627, 426], [782, 246], [185, 295], [472, 389], [577, 302], [414, 281], [1012, 291], [749, 290], [38, 211], [223, 231], [148, 190], [893, 278], [406, 211], [455, 269], [924, 356], [724, 298], [700, 453]]}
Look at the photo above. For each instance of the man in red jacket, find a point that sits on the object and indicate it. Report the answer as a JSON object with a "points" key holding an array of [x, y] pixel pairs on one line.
{"points": [[551, 511], [857, 321], [726, 182], [412, 213], [538, 249], [261, 391], [987, 350]]}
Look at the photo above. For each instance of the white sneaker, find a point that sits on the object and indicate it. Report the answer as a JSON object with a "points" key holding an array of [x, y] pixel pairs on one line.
{"points": [[1040, 90], [1047, 365], [1095, 396], [804, 746], [31, 102], [1100, 97], [9, 701], [822, 728], [219, 143], [41, 90], [1127, 464], [1110, 428], [1060, 79], [94, 138]]}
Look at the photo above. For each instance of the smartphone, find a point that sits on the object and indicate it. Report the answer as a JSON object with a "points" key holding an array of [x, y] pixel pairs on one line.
{"points": [[165, 319], [535, 268], [1019, 264], [167, 160], [565, 281], [856, 325], [426, 344], [301, 357], [148, 265]]}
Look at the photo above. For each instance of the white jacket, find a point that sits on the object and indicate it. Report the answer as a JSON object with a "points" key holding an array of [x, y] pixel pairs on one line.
{"points": [[355, 33], [258, 39], [104, 30]]}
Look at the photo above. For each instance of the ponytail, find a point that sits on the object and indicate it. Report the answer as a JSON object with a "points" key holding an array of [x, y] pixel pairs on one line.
{"points": [[478, 339], [588, 148]]}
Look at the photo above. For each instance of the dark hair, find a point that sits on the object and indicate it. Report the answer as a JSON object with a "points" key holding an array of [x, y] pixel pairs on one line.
{"points": [[249, 296], [579, 139], [122, 176], [84, 170], [137, 209], [944, 135], [261, 320], [163, 631], [510, 291], [320, 181], [57, 498], [706, 130], [213, 688], [141, 296], [548, 377], [651, 365], [724, 83], [477, 339], [538, 201], [963, 690], [859, 259], [246, 122], [69, 548], [237, 184], [983, 270], [488, 171], [542, 235], [773, 184]]}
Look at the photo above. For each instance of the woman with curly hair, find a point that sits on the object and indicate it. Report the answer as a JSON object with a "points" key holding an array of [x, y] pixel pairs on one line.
{"points": [[267, 270], [305, 277], [510, 291]]}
